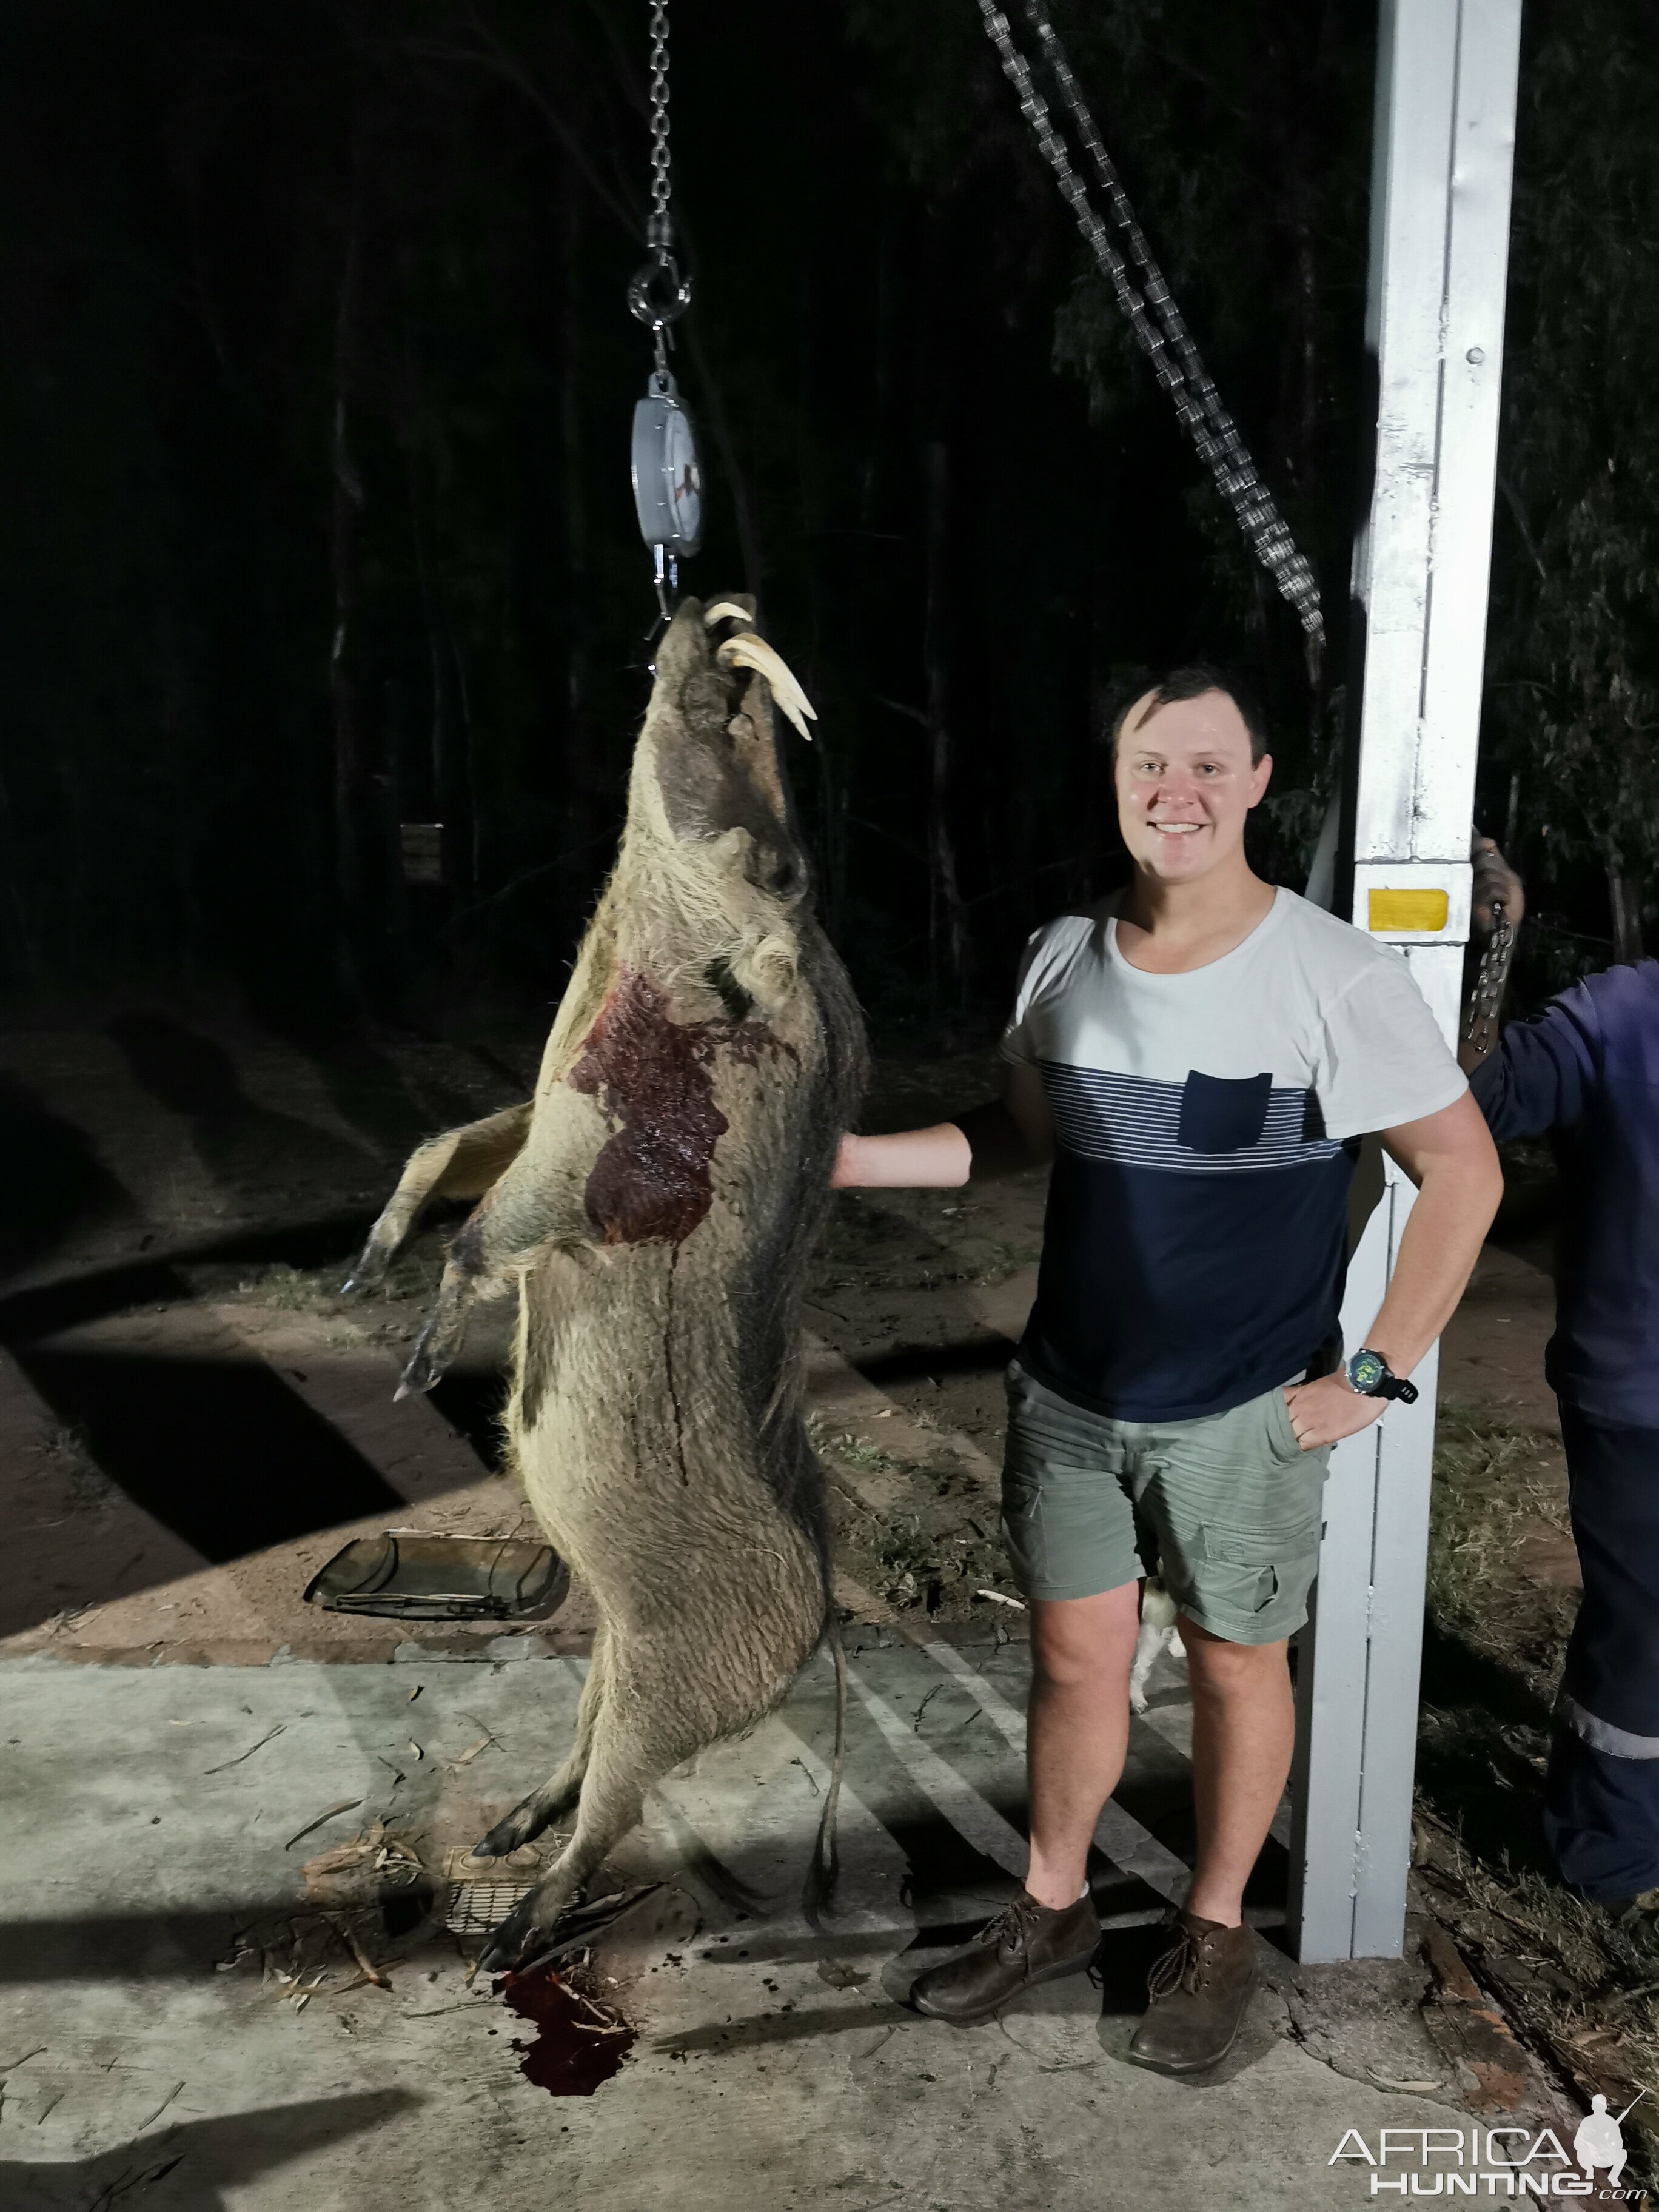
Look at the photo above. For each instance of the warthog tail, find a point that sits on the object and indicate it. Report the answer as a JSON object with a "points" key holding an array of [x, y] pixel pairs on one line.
{"points": [[822, 1874]]}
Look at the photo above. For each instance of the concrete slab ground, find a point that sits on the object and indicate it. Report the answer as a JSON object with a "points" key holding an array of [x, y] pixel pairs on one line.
{"points": [[146, 1828]]}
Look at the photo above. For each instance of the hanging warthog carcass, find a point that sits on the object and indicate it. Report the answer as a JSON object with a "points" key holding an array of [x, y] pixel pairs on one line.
{"points": [[656, 1206]]}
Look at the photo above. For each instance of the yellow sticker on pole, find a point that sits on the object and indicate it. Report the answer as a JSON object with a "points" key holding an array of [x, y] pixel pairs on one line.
{"points": [[1424, 911]]}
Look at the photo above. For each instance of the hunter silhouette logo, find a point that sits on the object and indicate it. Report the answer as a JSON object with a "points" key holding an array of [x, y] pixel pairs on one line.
{"points": [[1600, 2139]]}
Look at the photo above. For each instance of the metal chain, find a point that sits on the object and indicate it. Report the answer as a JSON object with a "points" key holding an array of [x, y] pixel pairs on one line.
{"points": [[659, 294], [1152, 315], [661, 230], [1490, 979]]}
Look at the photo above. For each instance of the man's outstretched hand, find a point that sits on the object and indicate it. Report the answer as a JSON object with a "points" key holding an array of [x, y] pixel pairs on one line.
{"points": [[1325, 1412]]}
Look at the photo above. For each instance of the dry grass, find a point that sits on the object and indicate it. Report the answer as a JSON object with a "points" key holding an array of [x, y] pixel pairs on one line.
{"points": [[1497, 1485], [317, 1290], [296, 1290], [63, 1453], [1579, 1983], [926, 1548]]}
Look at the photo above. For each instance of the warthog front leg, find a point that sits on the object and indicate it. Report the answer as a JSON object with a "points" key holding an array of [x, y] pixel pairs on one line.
{"points": [[464, 1163], [540, 1202]]}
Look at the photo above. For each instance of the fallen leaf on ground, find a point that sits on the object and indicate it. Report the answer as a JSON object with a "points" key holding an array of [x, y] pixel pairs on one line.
{"points": [[248, 1753], [345, 1805]]}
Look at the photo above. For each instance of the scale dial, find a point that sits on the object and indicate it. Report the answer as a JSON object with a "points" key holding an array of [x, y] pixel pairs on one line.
{"points": [[667, 474]]}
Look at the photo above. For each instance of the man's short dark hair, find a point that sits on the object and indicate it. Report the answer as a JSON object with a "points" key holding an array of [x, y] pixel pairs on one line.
{"points": [[1192, 682]]}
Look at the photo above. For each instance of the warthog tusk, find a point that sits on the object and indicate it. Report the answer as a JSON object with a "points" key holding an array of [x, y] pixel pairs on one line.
{"points": [[748, 651], [726, 611]]}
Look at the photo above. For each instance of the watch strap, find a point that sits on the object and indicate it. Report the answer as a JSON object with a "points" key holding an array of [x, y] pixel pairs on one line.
{"points": [[1383, 1383]]}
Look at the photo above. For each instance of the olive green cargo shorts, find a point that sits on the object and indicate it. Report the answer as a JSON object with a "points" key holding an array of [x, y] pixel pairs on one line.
{"points": [[1229, 1504]]}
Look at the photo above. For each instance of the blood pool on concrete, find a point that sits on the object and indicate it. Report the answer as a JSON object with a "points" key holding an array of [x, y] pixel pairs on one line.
{"points": [[574, 2051]]}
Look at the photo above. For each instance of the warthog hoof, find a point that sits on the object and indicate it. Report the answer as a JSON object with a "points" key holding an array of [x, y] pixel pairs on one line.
{"points": [[426, 1363], [514, 1830], [521, 1938], [370, 1272], [361, 1279]]}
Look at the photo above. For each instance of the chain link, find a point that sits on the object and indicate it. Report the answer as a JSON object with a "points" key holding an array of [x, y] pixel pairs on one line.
{"points": [[1152, 315], [659, 294], [1491, 978], [660, 231]]}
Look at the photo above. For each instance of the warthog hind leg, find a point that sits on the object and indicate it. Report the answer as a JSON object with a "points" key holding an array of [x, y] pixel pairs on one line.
{"points": [[463, 1163], [624, 1760], [534, 1812]]}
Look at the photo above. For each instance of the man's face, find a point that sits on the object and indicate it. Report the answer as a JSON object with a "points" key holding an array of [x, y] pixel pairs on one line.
{"points": [[1185, 782]]}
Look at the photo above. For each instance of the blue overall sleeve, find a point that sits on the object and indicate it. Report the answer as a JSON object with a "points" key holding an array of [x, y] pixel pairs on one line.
{"points": [[1543, 1071]]}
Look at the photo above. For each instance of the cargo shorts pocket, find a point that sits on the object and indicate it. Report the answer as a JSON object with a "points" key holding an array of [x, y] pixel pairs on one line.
{"points": [[1249, 1585], [1022, 1527], [1237, 1570]]}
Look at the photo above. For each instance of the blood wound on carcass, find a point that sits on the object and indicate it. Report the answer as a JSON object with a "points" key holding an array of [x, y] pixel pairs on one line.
{"points": [[651, 1182]]}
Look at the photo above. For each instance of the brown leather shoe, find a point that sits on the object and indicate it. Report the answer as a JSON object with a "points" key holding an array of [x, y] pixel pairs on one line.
{"points": [[1027, 1944], [1200, 1991]]}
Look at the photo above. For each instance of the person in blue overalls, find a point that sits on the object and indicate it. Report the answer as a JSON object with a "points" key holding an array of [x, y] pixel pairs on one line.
{"points": [[1586, 1075]]}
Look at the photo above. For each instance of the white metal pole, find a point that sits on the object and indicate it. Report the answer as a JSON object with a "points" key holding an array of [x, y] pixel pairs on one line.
{"points": [[1440, 217]]}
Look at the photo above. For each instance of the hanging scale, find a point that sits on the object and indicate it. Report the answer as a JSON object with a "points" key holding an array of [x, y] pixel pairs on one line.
{"points": [[667, 476]]}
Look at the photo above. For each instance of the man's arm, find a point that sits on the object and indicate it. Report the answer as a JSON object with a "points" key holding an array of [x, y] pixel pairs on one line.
{"points": [[1451, 1158], [999, 1138]]}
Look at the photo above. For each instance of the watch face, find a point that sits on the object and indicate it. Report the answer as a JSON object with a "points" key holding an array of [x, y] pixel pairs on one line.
{"points": [[1365, 1371], [683, 476]]}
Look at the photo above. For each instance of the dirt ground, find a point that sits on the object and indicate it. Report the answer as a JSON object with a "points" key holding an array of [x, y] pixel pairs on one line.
{"points": [[193, 1419]]}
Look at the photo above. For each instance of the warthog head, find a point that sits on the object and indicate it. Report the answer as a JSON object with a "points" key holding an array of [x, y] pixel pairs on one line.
{"points": [[710, 823]]}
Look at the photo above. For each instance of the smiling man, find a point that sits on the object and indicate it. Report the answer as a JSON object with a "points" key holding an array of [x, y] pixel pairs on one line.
{"points": [[1199, 1056]]}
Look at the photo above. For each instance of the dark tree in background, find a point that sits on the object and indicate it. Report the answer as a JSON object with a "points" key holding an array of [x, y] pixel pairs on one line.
{"points": [[1574, 661], [315, 382]]}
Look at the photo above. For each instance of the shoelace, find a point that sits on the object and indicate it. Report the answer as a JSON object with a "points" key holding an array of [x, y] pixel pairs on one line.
{"points": [[1178, 1968], [1013, 1927]]}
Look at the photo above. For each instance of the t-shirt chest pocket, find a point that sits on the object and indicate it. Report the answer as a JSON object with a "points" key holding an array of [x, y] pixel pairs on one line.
{"points": [[1222, 1114]]}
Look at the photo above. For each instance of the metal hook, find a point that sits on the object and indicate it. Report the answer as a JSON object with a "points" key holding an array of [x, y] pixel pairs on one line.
{"points": [[665, 574], [659, 294]]}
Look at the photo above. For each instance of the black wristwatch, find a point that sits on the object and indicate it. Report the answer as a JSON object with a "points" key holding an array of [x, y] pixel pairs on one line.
{"points": [[1372, 1377]]}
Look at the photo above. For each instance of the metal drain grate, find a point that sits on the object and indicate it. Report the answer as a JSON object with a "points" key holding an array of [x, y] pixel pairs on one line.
{"points": [[483, 1892]]}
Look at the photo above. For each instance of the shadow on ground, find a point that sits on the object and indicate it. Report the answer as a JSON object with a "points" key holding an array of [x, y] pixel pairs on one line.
{"points": [[190, 2166], [220, 1451], [1480, 1727]]}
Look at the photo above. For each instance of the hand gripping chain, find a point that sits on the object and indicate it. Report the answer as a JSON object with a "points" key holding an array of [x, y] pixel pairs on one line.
{"points": [[1490, 979]]}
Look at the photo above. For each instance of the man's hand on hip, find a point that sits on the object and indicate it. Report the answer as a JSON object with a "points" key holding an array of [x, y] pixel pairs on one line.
{"points": [[1325, 1412]]}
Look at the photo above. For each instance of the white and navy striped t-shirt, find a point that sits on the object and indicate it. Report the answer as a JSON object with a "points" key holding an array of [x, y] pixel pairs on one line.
{"points": [[1206, 1126]]}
